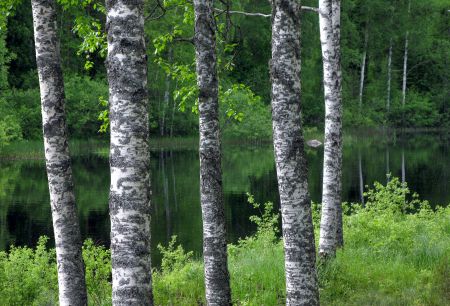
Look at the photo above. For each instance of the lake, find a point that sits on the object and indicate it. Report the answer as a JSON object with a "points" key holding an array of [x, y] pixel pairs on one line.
{"points": [[422, 159]]}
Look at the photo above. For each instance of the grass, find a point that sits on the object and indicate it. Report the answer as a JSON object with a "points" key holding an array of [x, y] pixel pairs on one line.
{"points": [[397, 252]]}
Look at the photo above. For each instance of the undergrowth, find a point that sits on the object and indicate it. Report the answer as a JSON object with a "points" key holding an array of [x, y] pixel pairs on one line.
{"points": [[397, 252]]}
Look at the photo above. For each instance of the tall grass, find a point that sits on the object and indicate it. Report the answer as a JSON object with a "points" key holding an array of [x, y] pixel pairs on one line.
{"points": [[397, 252]]}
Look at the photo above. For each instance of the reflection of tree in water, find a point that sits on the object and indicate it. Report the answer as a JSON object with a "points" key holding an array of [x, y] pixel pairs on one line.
{"points": [[25, 209]]}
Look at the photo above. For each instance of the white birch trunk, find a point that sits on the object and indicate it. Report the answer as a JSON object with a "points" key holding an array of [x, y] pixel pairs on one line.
{"points": [[290, 159], [405, 69], [217, 279], [389, 78], [363, 68], [129, 154], [329, 20], [405, 62], [71, 280]]}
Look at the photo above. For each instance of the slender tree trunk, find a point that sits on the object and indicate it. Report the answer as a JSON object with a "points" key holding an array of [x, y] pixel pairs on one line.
{"points": [[174, 106], [129, 154], [389, 78], [162, 127], [405, 62], [71, 280], [329, 19], [290, 159], [405, 70], [361, 179], [217, 279], [363, 68]]}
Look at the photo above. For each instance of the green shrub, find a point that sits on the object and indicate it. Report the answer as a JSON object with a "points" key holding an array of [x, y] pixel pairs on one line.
{"points": [[397, 252]]}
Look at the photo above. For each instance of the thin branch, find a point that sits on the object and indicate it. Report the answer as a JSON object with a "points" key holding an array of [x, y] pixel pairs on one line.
{"points": [[158, 5], [243, 13], [310, 9], [184, 39], [304, 8]]}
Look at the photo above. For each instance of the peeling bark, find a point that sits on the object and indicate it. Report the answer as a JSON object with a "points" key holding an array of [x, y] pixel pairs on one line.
{"points": [[71, 280], [331, 222], [129, 154], [217, 279], [290, 159]]}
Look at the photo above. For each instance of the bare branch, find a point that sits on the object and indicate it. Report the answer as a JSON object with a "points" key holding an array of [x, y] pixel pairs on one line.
{"points": [[242, 13], [304, 8], [310, 9], [160, 6], [184, 39]]}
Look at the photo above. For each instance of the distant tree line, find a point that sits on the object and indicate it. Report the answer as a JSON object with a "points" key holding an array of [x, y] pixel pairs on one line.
{"points": [[395, 59]]}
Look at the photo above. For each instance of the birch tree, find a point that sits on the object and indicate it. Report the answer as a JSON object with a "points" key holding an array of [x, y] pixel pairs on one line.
{"points": [[71, 280], [389, 77], [129, 154], [290, 159], [329, 19], [363, 67], [211, 194], [405, 62]]}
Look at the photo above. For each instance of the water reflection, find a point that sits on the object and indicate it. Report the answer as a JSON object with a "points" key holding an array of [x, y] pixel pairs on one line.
{"points": [[25, 212]]}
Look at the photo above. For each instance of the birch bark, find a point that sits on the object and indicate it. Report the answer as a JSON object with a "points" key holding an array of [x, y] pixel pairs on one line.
{"points": [[329, 20], [363, 68], [291, 164], [217, 283], [389, 79], [129, 154], [405, 69], [405, 62], [71, 280]]}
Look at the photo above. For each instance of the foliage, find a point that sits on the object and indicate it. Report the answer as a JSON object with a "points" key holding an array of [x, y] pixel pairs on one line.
{"points": [[419, 111], [392, 256]]}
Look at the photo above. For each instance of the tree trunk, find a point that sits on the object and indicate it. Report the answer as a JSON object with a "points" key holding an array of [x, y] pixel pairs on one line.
{"points": [[217, 280], [71, 279], [162, 127], [129, 154], [405, 62], [329, 18], [405, 70], [290, 159], [174, 106], [363, 68], [389, 78]]}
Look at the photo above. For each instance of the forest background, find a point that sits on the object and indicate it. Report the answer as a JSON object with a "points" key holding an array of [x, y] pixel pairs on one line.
{"points": [[369, 28]]}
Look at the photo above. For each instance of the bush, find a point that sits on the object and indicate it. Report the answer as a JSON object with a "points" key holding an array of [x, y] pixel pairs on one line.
{"points": [[396, 253], [419, 111]]}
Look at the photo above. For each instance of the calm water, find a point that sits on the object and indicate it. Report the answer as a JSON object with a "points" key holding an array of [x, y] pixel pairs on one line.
{"points": [[422, 159]]}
